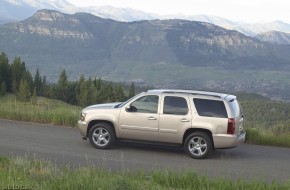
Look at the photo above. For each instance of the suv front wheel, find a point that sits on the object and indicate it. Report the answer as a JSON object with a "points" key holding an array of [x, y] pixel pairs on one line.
{"points": [[198, 145], [102, 136]]}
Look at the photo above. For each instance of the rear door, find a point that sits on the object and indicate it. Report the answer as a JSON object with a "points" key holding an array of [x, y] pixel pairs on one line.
{"points": [[174, 119]]}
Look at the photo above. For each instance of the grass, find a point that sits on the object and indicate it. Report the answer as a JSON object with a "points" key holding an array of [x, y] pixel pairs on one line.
{"points": [[255, 136], [267, 122], [43, 111], [20, 173]]}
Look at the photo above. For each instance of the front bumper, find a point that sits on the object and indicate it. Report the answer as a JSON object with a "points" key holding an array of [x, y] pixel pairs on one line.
{"points": [[82, 125], [228, 141]]}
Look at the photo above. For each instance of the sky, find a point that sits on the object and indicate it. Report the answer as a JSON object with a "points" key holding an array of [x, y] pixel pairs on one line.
{"points": [[250, 11]]}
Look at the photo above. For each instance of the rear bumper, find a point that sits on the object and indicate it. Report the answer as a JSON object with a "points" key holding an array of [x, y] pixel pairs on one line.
{"points": [[83, 129], [228, 141]]}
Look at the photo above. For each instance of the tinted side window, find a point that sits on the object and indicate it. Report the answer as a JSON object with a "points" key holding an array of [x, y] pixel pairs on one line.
{"points": [[145, 104], [210, 108], [175, 105]]}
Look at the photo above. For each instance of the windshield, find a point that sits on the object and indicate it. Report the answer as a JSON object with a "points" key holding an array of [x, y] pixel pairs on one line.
{"points": [[122, 104]]}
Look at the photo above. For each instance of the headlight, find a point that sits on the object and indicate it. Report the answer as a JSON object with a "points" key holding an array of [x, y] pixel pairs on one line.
{"points": [[83, 116]]}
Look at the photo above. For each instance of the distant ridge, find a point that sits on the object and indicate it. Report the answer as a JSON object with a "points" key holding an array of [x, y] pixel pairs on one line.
{"points": [[11, 10], [164, 53], [275, 37]]}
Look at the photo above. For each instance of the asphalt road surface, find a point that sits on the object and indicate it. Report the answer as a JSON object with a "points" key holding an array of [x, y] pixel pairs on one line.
{"points": [[64, 147]]}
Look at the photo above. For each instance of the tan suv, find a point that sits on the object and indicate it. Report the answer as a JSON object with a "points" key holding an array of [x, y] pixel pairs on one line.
{"points": [[200, 121]]}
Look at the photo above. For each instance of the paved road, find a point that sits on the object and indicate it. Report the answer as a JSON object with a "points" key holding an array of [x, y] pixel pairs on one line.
{"points": [[63, 146]]}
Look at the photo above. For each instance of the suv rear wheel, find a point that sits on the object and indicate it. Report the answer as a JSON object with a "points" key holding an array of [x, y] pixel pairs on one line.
{"points": [[102, 136], [198, 145]]}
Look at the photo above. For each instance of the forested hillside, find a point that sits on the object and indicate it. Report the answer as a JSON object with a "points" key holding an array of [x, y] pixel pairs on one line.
{"points": [[263, 114], [163, 53], [15, 78]]}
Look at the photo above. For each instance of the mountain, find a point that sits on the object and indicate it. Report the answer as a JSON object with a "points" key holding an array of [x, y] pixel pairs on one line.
{"points": [[245, 28], [257, 28], [165, 53], [15, 10], [119, 14], [274, 37]]}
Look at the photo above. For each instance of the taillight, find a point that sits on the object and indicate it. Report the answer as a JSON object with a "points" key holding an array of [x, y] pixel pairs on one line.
{"points": [[231, 126]]}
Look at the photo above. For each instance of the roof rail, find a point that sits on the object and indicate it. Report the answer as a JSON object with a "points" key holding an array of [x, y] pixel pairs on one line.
{"points": [[192, 93]]}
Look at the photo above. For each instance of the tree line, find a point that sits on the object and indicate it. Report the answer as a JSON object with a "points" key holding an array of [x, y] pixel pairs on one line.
{"points": [[15, 78], [260, 112]]}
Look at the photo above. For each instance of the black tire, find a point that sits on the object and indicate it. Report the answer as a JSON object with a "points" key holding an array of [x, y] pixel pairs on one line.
{"points": [[102, 136], [198, 145]]}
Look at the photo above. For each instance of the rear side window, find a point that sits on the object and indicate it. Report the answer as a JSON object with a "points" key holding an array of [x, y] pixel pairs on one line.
{"points": [[175, 105], [210, 108]]}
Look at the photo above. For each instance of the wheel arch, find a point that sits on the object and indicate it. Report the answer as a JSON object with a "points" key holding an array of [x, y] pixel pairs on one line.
{"points": [[191, 130], [94, 122]]}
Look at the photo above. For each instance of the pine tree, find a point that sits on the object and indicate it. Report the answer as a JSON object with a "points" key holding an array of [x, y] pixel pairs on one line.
{"points": [[34, 97], [5, 75], [98, 84], [119, 93], [3, 89], [71, 96], [62, 86], [24, 92], [37, 83], [132, 90], [92, 92], [26, 75], [83, 97], [105, 94], [14, 87], [17, 71], [45, 87]]}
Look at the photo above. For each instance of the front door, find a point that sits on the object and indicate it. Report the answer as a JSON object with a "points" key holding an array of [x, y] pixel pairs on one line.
{"points": [[140, 119]]}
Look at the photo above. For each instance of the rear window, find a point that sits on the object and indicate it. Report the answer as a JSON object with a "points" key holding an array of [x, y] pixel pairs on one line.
{"points": [[210, 108], [236, 108]]}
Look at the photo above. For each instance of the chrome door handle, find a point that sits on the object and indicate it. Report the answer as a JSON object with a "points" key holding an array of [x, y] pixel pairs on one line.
{"points": [[184, 120], [152, 118]]}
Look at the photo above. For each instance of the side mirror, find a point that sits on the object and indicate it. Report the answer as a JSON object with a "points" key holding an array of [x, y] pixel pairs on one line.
{"points": [[131, 108], [128, 108]]}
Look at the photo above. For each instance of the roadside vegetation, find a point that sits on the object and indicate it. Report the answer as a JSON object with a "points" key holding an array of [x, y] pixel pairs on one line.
{"points": [[20, 173], [27, 98], [42, 110], [267, 122]]}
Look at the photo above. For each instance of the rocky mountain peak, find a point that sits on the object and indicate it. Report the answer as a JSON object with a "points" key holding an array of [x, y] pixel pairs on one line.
{"points": [[47, 15], [53, 24]]}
